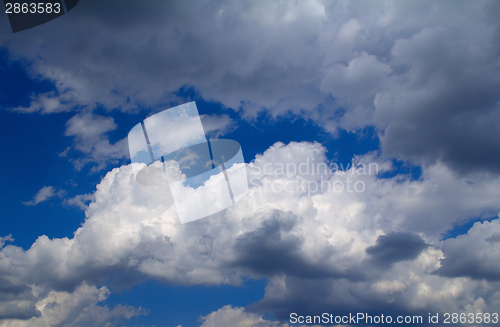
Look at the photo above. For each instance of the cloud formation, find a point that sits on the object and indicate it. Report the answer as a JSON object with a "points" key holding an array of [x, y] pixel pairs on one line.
{"points": [[396, 247], [428, 84], [322, 249], [90, 137], [473, 254], [229, 316], [43, 195], [424, 74]]}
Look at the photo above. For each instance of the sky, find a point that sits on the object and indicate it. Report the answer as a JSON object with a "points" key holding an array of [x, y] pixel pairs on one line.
{"points": [[399, 99]]}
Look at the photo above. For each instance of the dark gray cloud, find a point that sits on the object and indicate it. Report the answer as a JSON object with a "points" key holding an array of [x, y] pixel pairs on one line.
{"points": [[429, 84], [14, 310], [473, 268], [494, 238], [395, 247], [270, 249], [16, 301], [443, 104], [338, 297], [273, 249]]}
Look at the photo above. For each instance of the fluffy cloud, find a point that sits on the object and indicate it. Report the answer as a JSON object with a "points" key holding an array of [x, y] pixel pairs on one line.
{"points": [[77, 308], [90, 133], [473, 254], [443, 108], [318, 246], [424, 73], [396, 247], [228, 316], [363, 76]]}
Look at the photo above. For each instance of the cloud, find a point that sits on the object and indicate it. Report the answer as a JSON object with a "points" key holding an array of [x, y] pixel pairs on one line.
{"points": [[473, 254], [17, 303], [364, 75], [424, 74], [5, 239], [229, 316], [318, 247], [90, 134], [429, 85], [80, 200], [445, 106], [272, 250], [43, 195], [215, 126], [78, 308], [90, 138], [396, 247], [48, 103]]}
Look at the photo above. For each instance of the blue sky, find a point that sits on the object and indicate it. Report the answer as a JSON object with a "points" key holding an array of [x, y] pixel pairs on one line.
{"points": [[394, 85]]}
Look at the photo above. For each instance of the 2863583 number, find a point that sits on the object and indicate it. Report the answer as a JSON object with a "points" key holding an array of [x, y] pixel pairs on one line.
{"points": [[471, 318], [32, 8]]}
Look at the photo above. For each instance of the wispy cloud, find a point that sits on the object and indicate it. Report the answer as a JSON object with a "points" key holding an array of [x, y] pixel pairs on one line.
{"points": [[81, 200], [90, 133], [44, 194]]}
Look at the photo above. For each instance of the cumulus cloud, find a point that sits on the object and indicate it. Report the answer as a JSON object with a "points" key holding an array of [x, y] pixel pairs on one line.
{"points": [[318, 247], [396, 247], [229, 316], [77, 308], [473, 254], [442, 108], [364, 75], [424, 74]]}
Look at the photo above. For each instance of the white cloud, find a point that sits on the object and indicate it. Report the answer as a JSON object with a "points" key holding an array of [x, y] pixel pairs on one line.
{"points": [[77, 308], [228, 316], [5, 239], [310, 244], [48, 103], [90, 137], [424, 73], [80, 200], [43, 195]]}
